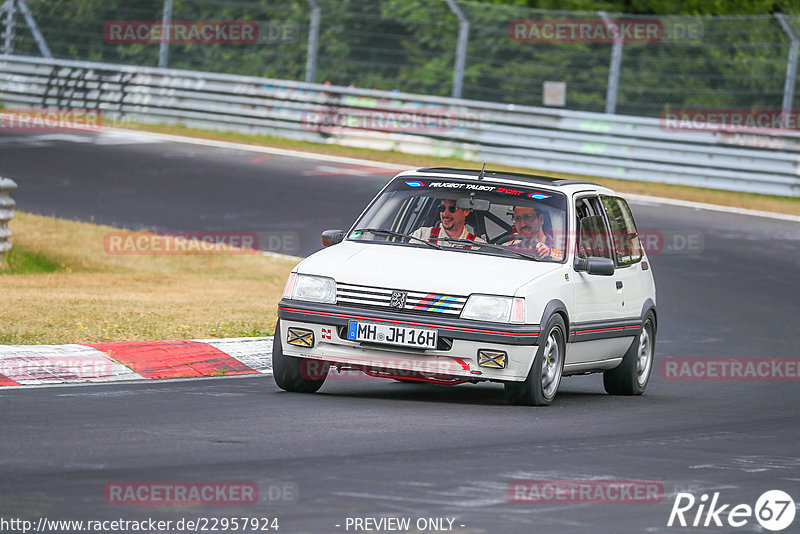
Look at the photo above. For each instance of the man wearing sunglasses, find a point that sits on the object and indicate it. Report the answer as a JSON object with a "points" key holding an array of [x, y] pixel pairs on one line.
{"points": [[530, 231], [451, 225]]}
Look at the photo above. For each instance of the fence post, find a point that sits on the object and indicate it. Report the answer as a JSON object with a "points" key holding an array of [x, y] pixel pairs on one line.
{"points": [[614, 67], [10, 9], [6, 212], [37, 35], [313, 42], [791, 68], [461, 48], [166, 20]]}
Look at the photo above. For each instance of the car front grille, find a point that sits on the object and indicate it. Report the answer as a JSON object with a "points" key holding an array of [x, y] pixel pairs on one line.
{"points": [[415, 302]]}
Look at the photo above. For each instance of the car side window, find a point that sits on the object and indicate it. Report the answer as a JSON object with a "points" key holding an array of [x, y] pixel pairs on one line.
{"points": [[592, 239], [627, 246]]}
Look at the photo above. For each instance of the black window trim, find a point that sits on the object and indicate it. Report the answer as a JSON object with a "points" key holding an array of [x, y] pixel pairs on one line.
{"points": [[597, 195], [611, 234]]}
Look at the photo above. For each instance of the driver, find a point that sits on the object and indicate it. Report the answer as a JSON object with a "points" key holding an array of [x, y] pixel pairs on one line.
{"points": [[530, 234], [451, 225]]}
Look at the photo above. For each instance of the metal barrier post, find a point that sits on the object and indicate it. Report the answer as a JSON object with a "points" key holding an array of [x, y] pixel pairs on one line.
{"points": [[166, 20], [613, 69], [791, 68], [461, 49], [10, 10], [313, 42], [6, 212], [37, 35]]}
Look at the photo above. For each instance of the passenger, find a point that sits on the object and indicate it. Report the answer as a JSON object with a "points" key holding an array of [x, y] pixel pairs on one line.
{"points": [[451, 225], [531, 233]]}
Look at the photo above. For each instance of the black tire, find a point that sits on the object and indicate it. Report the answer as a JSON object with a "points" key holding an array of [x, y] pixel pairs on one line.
{"points": [[631, 376], [299, 375], [541, 385]]}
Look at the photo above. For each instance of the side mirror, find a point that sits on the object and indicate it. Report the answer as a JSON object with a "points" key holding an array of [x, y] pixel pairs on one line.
{"points": [[472, 203], [595, 265], [332, 237]]}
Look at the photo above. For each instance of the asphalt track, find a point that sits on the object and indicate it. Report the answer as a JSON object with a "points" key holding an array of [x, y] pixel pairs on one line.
{"points": [[372, 448]]}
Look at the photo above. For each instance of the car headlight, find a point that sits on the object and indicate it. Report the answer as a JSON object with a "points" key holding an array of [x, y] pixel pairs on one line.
{"points": [[494, 309], [312, 288]]}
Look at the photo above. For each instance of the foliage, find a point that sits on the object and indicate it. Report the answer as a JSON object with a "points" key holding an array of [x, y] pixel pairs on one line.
{"points": [[409, 45]]}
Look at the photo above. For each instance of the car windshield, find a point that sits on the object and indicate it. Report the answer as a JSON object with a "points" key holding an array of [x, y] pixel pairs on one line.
{"points": [[484, 217]]}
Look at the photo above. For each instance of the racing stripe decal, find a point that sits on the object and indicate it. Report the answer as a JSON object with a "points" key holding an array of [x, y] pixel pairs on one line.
{"points": [[395, 321], [435, 303], [173, 359]]}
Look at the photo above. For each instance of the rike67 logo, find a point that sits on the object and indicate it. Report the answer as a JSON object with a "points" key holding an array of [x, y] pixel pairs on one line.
{"points": [[774, 511]]}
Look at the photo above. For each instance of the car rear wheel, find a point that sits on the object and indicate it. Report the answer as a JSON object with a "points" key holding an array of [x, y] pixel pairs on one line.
{"points": [[632, 375], [541, 385], [296, 374]]}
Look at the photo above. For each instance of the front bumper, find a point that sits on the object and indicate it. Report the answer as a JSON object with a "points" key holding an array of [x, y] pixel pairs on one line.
{"points": [[457, 356]]}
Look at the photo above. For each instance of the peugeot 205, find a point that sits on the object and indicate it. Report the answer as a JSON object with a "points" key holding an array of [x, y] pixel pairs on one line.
{"points": [[453, 276]]}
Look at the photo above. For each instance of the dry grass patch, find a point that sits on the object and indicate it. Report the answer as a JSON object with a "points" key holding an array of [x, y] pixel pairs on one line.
{"points": [[94, 296]]}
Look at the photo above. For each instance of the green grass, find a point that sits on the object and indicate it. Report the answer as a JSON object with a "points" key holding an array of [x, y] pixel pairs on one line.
{"points": [[19, 260]]}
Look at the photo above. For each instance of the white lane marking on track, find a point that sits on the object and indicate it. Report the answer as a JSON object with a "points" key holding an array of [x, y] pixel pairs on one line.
{"points": [[366, 162], [710, 207], [355, 170], [139, 381], [114, 137], [263, 149]]}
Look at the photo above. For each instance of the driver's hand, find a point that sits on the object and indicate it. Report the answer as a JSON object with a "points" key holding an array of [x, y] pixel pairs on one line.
{"points": [[542, 250]]}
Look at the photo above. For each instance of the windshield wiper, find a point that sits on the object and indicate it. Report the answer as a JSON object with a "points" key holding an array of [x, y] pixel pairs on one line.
{"points": [[489, 245], [381, 231]]}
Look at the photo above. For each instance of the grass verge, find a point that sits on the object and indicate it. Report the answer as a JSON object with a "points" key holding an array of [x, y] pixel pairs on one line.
{"points": [[776, 204], [59, 285]]}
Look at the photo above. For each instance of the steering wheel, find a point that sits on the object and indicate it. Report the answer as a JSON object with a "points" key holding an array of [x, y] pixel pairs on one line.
{"points": [[504, 239]]}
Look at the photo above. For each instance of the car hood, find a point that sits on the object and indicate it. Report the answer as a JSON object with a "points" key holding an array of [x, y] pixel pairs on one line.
{"points": [[423, 269]]}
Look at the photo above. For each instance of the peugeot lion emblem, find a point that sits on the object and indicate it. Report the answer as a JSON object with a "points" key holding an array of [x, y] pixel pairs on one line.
{"points": [[398, 299]]}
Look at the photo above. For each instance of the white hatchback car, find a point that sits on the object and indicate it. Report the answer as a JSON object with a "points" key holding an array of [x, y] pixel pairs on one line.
{"points": [[453, 276]]}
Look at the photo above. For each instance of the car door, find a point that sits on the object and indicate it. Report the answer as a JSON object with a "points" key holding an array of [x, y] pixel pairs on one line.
{"points": [[627, 256], [597, 314]]}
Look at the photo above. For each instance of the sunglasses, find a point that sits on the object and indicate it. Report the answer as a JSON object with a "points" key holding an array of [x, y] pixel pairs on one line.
{"points": [[451, 209]]}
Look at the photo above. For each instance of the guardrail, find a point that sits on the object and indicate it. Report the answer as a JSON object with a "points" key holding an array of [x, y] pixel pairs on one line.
{"points": [[6, 212], [597, 144]]}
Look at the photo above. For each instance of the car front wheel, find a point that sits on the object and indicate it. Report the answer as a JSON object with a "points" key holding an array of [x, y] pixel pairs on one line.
{"points": [[296, 374], [541, 385], [632, 375]]}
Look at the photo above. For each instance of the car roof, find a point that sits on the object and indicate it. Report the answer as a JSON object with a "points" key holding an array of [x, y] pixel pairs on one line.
{"points": [[511, 178]]}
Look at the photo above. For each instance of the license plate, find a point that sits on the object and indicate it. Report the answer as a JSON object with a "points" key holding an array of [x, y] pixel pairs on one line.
{"points": [[392, 334]]}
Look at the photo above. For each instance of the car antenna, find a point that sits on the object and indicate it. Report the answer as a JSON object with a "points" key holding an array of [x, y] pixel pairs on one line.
{"points": [[480, 176]]}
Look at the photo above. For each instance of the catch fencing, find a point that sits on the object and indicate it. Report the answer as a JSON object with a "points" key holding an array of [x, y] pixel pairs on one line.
{"points": [[456, 48]]}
